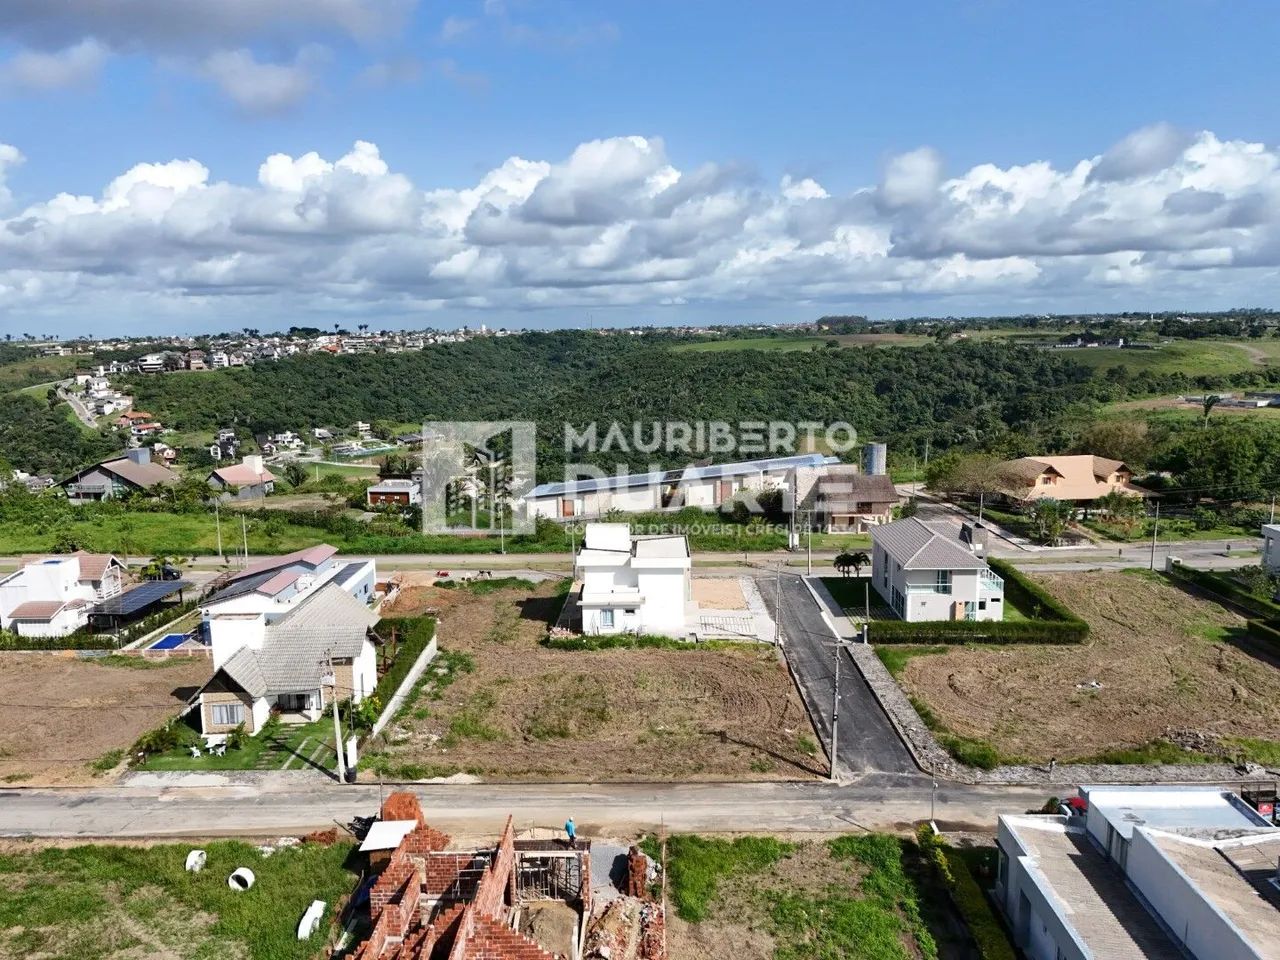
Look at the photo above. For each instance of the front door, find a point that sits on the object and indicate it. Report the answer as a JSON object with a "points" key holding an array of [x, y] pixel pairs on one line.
{"points": [[566, 508]]}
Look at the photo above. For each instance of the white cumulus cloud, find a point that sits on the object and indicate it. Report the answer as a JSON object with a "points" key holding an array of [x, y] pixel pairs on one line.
{"points": [[617, 223]]}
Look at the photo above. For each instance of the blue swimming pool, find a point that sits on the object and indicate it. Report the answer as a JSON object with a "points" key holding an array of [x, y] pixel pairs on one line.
{"points": [[168, 642]]}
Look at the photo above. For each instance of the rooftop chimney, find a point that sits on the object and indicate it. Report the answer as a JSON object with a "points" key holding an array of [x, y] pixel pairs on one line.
{"points": [[254, 463], [139, 455]]}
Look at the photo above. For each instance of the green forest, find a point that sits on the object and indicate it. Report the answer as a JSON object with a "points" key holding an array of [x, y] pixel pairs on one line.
{"points": [[972, 394]]}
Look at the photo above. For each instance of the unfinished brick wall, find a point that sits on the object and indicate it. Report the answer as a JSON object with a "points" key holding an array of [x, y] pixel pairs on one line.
{"points": [[496, 887], [490, 940]]}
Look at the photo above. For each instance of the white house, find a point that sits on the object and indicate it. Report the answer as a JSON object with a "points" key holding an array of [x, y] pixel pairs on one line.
{"points": [[707, 487], [289, 634], [926, 572], [1271, 547], [1143, 872], [52, 597], [634, 584]]}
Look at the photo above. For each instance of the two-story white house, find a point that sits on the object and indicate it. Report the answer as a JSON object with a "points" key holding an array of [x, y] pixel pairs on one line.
{"points": [[634, 584], [926, 572], [289, 634], [52, 597]]}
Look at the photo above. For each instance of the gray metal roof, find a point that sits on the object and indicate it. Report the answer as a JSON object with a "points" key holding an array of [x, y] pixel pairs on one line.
{"points": [[679, 475], [917, 545], [330, 622]]}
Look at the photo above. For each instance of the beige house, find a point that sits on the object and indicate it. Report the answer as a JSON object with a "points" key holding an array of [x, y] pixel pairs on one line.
{"points": [[1079, 479]]}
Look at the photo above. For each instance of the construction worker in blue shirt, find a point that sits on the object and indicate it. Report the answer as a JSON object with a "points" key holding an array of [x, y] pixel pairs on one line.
{"points": [[571, 831]]}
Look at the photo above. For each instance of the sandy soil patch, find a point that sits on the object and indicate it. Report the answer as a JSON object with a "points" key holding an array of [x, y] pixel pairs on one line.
{"points": [[57, 715], [719, 593], [1164, 658], [528, 712]]}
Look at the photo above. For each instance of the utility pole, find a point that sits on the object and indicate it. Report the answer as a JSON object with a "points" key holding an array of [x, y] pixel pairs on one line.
{"points": [[332, 675], [808, 559], [835, 712], [1155, 532], [866, 597], [1273, 509], [217, 522], [244, 533], [777, 602]]}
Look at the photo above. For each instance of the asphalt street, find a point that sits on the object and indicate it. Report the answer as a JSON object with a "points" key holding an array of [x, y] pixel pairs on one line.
{"points": [[866, 740], [283, 805]]}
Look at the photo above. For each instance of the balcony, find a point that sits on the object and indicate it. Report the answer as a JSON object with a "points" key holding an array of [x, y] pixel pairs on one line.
{"points": [[989, 582]]}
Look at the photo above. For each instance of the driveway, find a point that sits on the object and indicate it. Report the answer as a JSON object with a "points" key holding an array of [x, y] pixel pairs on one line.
{"points": [[868, 742]]}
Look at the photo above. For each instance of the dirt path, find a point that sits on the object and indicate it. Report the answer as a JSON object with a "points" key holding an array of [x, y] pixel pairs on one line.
{"points": [[1164, 658], [527, 712]]}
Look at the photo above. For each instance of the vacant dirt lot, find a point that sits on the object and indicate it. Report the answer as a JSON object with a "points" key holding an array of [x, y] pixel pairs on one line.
{"points": [[59, 715], [1164, 658], [719, 594], [527, 712]]}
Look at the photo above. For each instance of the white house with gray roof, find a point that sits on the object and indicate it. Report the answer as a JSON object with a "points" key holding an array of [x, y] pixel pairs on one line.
{"points": [[275, 627], [318, 650], [924, 571]]}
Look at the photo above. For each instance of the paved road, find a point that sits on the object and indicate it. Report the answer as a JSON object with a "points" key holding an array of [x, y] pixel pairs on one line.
{"points": [[477, 810], [867, 741]]}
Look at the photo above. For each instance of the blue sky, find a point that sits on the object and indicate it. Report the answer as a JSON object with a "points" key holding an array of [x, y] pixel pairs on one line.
{"points": [[742, 161]]}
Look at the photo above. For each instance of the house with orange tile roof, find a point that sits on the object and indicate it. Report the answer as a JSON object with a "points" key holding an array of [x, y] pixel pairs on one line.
{"points": [[1080, 479]]}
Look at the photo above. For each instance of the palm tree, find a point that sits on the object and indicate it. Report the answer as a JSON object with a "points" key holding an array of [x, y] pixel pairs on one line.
{"points": [[1210, 401], [843, 563], [858, 561]]}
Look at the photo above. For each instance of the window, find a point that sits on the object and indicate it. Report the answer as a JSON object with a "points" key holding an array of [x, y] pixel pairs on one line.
{"points": [[942, 582], [982, 604], [228, 714], [606, 618]]}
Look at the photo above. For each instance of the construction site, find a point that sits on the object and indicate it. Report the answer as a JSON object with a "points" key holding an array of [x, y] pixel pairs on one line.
{"points": [[518, 899]]}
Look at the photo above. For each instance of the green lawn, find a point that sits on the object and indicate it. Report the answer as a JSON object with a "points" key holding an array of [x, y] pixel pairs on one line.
{"points": [[177, 534], [852, 594], [107, 901], [38, 370], [840, 541], [1204, 358], [283, 748], [864, 897]]}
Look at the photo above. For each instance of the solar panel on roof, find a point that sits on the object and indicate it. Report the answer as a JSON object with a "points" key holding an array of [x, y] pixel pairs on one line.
{"points": [[141, 596], [346, 573]]}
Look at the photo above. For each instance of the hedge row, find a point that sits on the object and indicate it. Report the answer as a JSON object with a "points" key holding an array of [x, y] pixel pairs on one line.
{"points": [[412, 634], [954, 872], [978, 631], [1029, 595], [1268, 632], [1266, 626], [1226, 587], [1055, 623]]}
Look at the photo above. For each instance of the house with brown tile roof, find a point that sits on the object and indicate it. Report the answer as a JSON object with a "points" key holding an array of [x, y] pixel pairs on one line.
{"points": [[113, 478]]}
